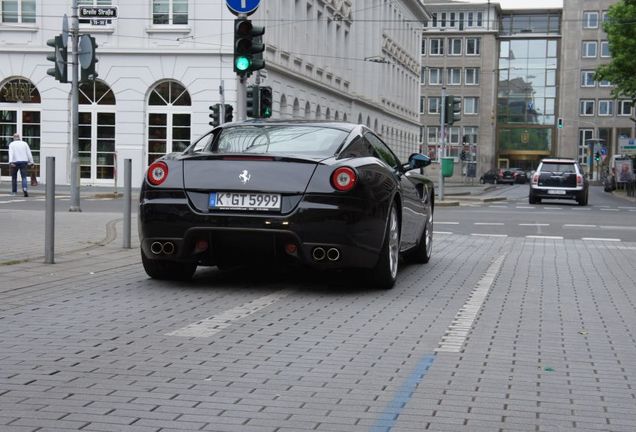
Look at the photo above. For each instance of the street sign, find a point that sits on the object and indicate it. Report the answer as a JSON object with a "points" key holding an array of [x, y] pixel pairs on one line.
{"points": [[98, 12], [627, 146], [246, 7]]}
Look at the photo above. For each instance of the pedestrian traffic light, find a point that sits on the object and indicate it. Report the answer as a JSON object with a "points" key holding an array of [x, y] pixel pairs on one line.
{"points": [[59, 56], [215, 115], [265, 102], [463, 155], [597, 156], [560, 123], [248, 47], [228, 113], [88, 58], [453, 109]]}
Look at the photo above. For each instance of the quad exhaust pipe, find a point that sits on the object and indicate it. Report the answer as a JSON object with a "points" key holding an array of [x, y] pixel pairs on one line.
{"points": [[319, 254], [165, 248]]}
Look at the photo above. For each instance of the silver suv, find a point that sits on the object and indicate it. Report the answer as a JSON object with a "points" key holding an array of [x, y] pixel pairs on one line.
{"points": [[558, 179]]}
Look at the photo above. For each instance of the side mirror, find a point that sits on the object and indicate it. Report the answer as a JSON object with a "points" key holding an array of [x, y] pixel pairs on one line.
{"points": [[418, 160]]}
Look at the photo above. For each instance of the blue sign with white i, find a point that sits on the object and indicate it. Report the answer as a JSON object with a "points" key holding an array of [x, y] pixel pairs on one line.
{"points": [[242, 6]]}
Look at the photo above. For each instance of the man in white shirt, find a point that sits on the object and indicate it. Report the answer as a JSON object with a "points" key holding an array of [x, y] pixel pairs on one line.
{"points": [[20, 158]]}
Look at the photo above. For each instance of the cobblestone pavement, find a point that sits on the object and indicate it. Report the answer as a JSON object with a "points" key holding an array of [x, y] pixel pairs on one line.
{"points": [[492, 334]]}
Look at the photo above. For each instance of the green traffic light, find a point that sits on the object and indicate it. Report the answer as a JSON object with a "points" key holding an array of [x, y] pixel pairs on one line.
{"points": [[242, 63]]}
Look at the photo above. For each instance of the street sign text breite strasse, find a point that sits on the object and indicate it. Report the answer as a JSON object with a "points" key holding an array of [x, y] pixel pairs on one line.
{"points": [[98, 12]]}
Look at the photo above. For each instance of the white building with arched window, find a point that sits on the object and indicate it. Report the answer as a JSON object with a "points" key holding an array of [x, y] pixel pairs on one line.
{"points": [[162, 63]]}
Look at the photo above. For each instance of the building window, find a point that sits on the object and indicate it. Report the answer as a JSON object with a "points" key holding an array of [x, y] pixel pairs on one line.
{"points": [[453, 135], [422, 104], [590, 19], [169, 111], [455, 47], [437, 47], [470, 135], [170, 12], [18, 11], [423, 75], [424, 42], [604, 83], [471, 105], [605, 107], [586, 107], [624, 107], [96, 140], [433, 105], [435, 76], [605, 16], [605, 49], [454, 76], [584, 136], [432, 136], [589, 49], [473, 46], [472, 76], [587, 79]]}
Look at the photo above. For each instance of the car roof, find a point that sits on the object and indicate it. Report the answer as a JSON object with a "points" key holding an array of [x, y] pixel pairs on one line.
{"points": [[345, 126]]}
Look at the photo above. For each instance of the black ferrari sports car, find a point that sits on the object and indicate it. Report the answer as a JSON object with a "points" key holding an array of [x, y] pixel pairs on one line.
{"points": [[323, 194]]}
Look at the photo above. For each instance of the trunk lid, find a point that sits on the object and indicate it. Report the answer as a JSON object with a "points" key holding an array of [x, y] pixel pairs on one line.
{"points": [[254, 173]]}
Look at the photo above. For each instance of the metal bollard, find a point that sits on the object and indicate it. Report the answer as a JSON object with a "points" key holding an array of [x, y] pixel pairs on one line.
{"points": [[49, 213], [127, 201]]}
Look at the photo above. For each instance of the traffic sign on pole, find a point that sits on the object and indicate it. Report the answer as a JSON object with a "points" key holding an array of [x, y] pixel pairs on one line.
{"points": [[246, 7]]}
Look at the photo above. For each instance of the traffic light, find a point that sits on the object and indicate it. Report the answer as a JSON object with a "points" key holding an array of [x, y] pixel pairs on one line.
{"points": [[463, 155], [248, 47], [228, 113], [265, 102], [560, 123], [88, 58], [597, 156], [252, 101], [59, 56], [453, 109], [215, 115]]}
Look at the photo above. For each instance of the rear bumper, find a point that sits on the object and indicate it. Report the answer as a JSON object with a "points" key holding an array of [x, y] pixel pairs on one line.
{"points": [[348, 226], [557, 193]]}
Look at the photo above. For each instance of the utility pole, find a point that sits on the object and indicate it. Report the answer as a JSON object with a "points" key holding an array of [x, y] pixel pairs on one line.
{"points": [[442, 147], [75, 168]]}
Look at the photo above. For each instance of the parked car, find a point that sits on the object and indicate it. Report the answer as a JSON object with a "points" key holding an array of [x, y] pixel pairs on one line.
{"points": [[559, 179], [325, 195], [506, 176], [490, 176], [520, 176]]}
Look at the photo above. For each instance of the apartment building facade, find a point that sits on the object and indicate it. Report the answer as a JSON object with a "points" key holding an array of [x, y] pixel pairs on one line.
{"points": [[536, 93], [590, 114], [162, 64]]}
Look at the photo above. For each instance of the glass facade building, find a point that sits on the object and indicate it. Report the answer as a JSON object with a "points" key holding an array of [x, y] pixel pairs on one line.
{"points": [[528, 70]]}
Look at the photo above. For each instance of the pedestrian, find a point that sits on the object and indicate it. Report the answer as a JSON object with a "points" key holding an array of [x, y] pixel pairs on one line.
{"points": [[20, 158]]}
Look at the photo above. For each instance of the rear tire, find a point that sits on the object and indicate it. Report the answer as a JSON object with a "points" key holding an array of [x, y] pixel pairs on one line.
{"points": [[384, 274], [421, 254], [168, 270], [583, 200]]}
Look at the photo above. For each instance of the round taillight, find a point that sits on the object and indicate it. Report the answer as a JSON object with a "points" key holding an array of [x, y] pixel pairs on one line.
{"points": [[344, 179], [157, 173]]}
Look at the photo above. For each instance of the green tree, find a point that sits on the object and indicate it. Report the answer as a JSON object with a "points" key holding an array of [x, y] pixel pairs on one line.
{"points": [[621, 35]]}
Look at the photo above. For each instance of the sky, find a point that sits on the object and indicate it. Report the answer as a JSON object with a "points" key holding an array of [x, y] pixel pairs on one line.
{"points": [[524, 4]]}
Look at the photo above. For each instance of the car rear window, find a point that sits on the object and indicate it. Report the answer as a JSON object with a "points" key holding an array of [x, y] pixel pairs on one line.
{"points": [[563, 168], [279, 139]]}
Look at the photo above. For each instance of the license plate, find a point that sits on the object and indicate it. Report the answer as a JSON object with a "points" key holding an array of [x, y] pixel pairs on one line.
{"points": [[556, 192], [244, 201]]}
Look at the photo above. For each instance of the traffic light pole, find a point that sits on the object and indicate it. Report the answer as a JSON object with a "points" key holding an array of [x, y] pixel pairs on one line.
{"points": [[442, 147], [241, 98], [75, 164]]}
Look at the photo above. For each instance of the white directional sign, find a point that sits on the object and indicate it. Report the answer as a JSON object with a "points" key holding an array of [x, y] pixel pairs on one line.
{"points": [[98, 12]]}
